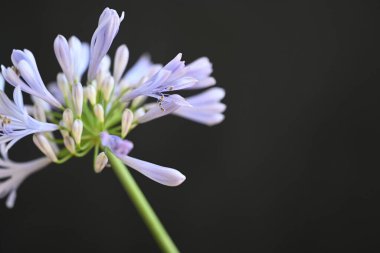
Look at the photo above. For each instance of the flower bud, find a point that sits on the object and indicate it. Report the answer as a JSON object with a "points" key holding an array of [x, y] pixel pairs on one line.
{"points": [[126, 122], [39, 112], [69, 144], [68, 118], [105, 64], [107, 87], [77, 130], [100, 162], [99, 112], [100, 77], [120, 62], [64, 132], [108, 26], [78, 98], [44, 145], [64, 57], [91, 94], [63, 84]]}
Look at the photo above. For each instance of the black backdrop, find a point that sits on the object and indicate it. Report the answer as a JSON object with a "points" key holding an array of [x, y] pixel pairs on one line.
{"points": [[294, 167]]}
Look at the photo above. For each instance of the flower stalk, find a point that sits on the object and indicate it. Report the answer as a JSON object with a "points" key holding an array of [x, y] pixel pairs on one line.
{"points": [[142, 205]]}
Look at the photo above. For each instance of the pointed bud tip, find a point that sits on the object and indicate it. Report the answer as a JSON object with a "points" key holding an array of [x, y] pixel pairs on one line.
{"points": [[100, 162]]}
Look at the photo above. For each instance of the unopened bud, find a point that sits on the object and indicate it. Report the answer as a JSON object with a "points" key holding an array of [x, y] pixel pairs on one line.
{"points": [[126, 122], [68, 118], [120, 62], [100, 162], [64, 132], [99, 112], [63, 84], [107, 87], [91, 93], [69, 144], [78, 98], [105, 64], [39, 112], [77, 130], [44, 145], [100, 77]]}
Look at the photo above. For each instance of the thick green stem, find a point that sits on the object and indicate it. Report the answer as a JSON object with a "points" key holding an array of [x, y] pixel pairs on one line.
{"points": [[142, 205]]}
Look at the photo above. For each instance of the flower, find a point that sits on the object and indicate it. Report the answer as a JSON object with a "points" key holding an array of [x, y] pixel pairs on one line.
{"points": [[98, 113], [15, 121], [162, 108], [73, 56], [143, 68], [26, 66], [201, 70], [171, 77], [101, 41], [206, 107], [12, 174], [121, 148]]}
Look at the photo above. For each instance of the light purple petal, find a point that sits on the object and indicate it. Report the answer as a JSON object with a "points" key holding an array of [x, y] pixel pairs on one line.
{"points": [[165, 107], [101, 41], [163, 175]]}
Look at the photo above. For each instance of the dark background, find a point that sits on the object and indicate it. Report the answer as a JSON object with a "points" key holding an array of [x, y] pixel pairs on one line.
{"points": [[293, 168]]}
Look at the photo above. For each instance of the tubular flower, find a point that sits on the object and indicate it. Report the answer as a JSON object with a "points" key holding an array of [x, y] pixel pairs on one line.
{"points": [[15, 121], [25, 66], [14, 173], [97, 113]]}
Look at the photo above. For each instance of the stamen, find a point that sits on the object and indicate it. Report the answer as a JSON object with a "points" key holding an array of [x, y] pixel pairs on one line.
{"points": [[3, 125], [160, 102], [16, 70], [6, 121]]}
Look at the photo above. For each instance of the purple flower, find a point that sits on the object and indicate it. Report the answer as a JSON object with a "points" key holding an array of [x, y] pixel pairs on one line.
{"points": [[206, 107], [121, 148], [171, 77], [201, 70], [26, 66], [12, 174], [169, 105], [73, 57], [15, 121], [101, 41]]}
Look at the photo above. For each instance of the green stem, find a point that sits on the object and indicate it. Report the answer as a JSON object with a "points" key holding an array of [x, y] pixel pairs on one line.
{"points": [[142, 205]]}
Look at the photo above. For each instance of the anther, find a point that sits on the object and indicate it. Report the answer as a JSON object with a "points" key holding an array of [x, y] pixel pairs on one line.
{"points": [[16, 70]]}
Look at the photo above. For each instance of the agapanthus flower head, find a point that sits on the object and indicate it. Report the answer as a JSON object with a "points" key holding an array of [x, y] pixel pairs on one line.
{"points": [[72, 116]]}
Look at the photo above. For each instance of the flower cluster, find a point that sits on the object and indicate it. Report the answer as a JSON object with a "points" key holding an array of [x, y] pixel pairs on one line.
{"points": [[72, 116]]}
